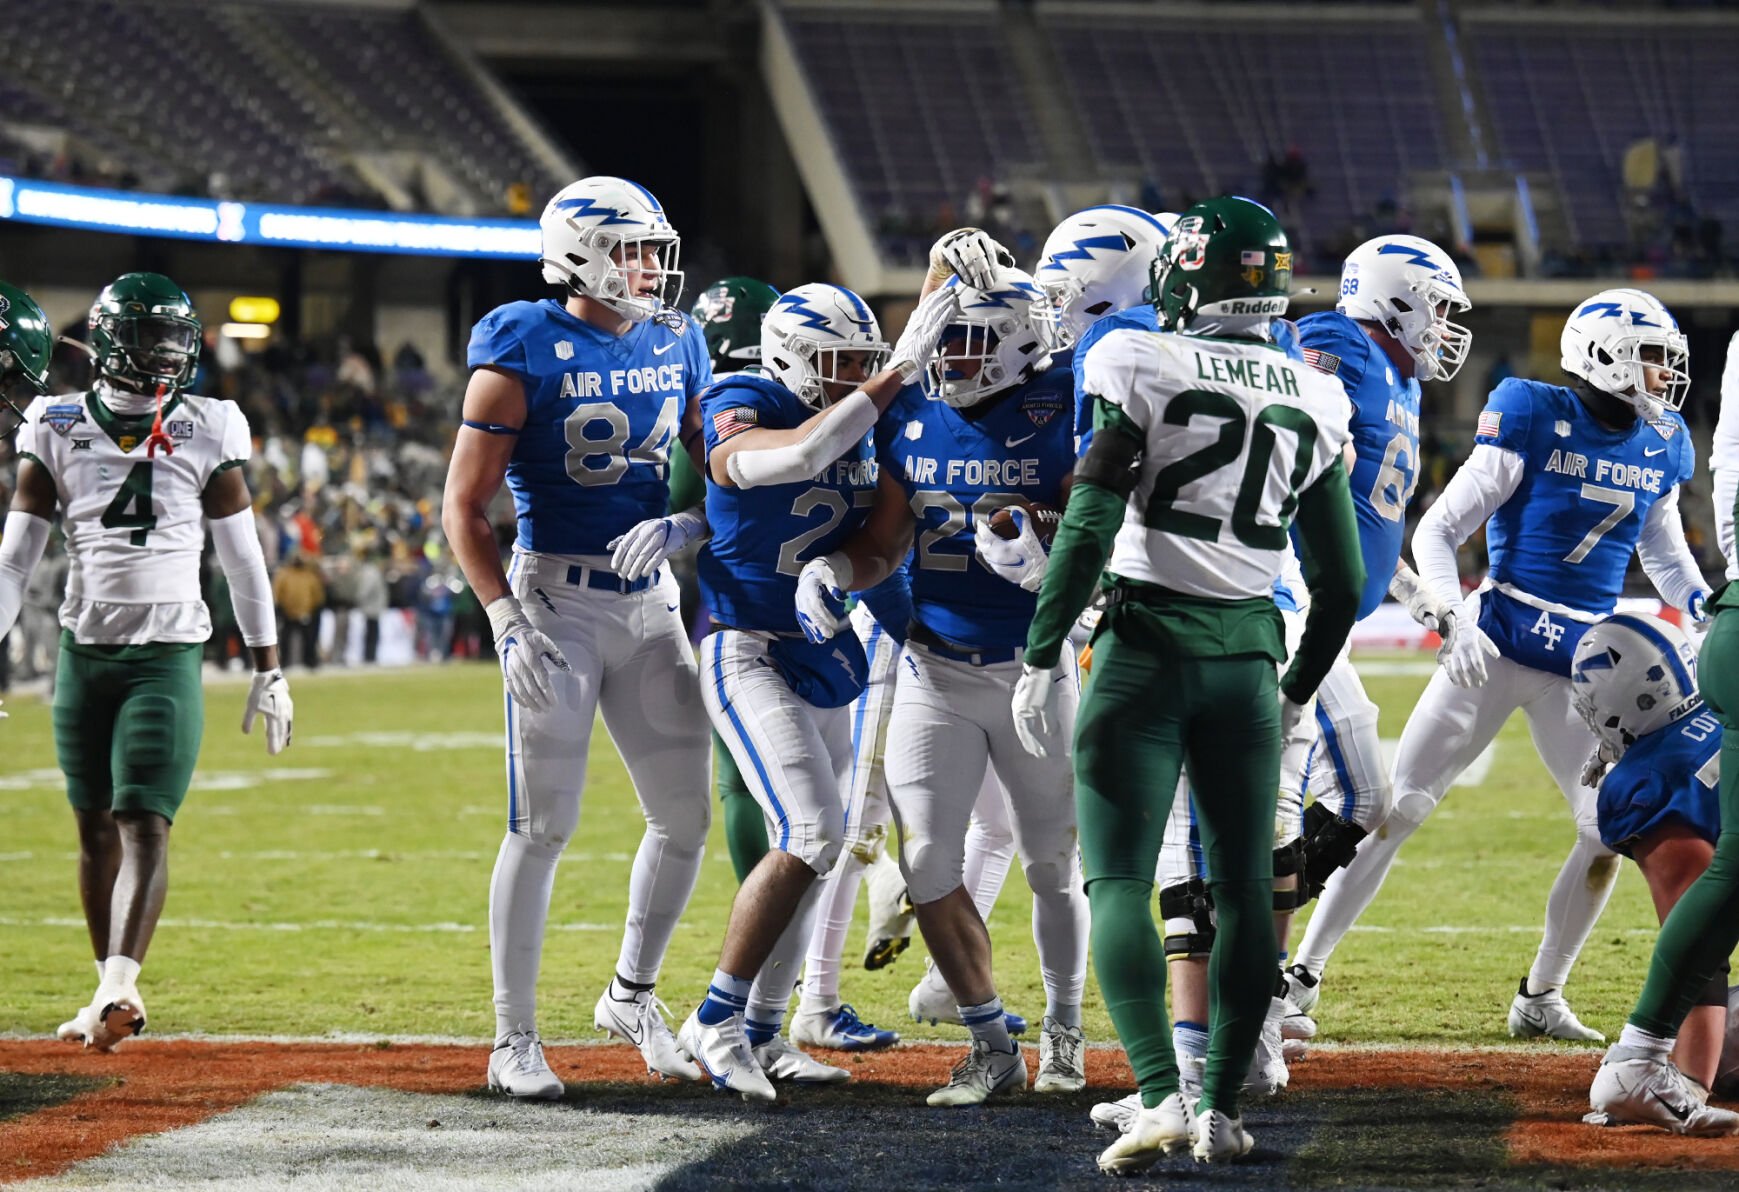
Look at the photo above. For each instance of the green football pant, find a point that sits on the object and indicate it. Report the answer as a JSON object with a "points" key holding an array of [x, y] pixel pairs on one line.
{"points": [[1142, 718], [745, 822], [127, 724], [1700, 933]]}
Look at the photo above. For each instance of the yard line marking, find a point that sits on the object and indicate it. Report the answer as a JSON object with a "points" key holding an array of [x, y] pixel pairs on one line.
{"points": [[59, 921]]}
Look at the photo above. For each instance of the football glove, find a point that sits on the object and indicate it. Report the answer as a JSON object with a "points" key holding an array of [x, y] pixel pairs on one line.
{"points": [[269, 697], [1036, 721], [971, 255], [918, 341], [1020, 560], [1594, 769], [1293, 715], [1465, 646], [1698, 620], [529, 659], [646, 545], [1422, 605], [820, 603]]}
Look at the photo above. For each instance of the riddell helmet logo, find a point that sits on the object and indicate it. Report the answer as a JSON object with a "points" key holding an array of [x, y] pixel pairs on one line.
{"points": [[1256, 306]]}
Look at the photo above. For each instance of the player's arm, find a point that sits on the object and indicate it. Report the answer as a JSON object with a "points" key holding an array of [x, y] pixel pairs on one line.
{"points": [[969, 254], [1422, 605], [865, 559], [1488, 479], [494, 412], [1334, 574], [229, 512], [1724, 459], [25, 536], [1667, 559]]}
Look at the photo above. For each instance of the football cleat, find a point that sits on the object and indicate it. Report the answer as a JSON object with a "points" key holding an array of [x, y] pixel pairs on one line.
{"points": [[1116, 1115], [1297, 1024], [1302, 989], [640, 1021], [931, 1001], [80, 1028], [517, 1068], [725, 1057], [1268, 1074], [781, 1061], [110, 1018], [1062, 1058], [1638, 1086], [1218, 1138], [840, 1029], [980, 1075], [1166, 1129], [1548, 1015], [891, 913]]}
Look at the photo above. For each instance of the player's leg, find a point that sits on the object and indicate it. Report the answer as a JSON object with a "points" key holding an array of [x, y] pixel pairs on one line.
{"points": [[1358, 801], [745, 822], [1671, 858], [84, 707], [1449, 728]]}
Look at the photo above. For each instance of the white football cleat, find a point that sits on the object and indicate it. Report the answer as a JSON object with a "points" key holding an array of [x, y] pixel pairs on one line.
{"points": [[113, 1016], [891, 913], [981, 1074], [1062, 1058], [1636, 1086], [782, 1061], [839, 1028], [1219, 1137], [1166, 1129], [1117, 1115], [640, 1021], [724, 1054], [1547, 1014], [1297, 1024], [1268, 1074], [932, 1001], [1302, 989], [79, 1028], [517, 1068]]}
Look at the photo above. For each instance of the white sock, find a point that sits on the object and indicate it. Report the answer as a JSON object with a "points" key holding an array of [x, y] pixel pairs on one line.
{"points": [[987, 860], [1578, 896], [519, 891], [1060, 923], [1641, 1040], [778, 977], [659, 886], [986, 1021], [119, 972], [1189, 1039], [833, 914], [1349, 892]]}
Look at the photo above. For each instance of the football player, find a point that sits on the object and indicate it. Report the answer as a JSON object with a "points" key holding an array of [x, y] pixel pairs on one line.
{"points": [[1635, 686], [790, 474], [991, 428], [139, 469], [26, 346], [576, 403], [1191, 630], [1570, 482]]}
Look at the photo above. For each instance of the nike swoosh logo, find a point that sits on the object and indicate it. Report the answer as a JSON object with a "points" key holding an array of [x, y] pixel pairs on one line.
{"points": [[1019, 441], [1680, 1114], [1655, 452], [635, 1037], [1535, 1018], [672, 607], [664, 349]]}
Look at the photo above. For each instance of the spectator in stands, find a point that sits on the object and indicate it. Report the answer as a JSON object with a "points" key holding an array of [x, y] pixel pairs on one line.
{"points": [[300, 596], [371, 602]]}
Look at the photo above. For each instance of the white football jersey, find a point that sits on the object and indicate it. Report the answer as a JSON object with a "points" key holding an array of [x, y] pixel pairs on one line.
{"points": [[134, 525], [1234, 432]]}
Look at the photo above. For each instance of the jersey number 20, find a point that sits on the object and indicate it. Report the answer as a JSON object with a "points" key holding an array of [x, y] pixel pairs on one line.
{"points": [[1163, 513]]}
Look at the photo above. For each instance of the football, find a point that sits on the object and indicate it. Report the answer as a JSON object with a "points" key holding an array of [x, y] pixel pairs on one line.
{"points": [[1046, 519]]}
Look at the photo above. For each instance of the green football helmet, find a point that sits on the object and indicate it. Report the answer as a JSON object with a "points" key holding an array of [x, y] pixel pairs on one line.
{"points": [[1226, 269], [729, 313], [144, 333], [26, 343]]}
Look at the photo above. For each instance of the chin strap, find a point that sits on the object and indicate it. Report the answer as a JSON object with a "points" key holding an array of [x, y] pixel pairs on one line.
{"points": [[157, 438]]}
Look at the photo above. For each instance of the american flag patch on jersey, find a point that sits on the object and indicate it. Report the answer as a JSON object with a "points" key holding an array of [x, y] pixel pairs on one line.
{"points": [[738, 418], [1324, 362], [1488, 424]]}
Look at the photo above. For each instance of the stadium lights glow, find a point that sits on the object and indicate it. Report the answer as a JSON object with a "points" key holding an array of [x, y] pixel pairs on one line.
{"points": [[254, 310], [246, 331], [54, 204]]}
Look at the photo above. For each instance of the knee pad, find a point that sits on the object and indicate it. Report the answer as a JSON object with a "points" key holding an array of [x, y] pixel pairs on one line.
{"points": [[683, 824], [1289, 862], [1329, 843], [1715, 992], [1188, 911]]}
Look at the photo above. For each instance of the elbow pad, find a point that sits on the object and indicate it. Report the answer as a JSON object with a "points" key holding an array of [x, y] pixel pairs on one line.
{"points": [[26, 537], [244, 565], [833, 435], [1111, 461]]}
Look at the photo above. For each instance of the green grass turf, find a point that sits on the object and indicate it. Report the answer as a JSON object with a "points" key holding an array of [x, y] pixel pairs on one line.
{"points": [[388, 809]]}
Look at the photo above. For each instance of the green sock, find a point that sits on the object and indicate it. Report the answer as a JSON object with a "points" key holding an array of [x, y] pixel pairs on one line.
{"points": [[1130, 963], [745, 822]]}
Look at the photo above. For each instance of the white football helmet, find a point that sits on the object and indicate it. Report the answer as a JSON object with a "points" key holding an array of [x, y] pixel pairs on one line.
{"points": [[1093, 264], [588, 229], [1632, 674], [994, 329], [808, 327], [1603, 341], [1399, 283]]}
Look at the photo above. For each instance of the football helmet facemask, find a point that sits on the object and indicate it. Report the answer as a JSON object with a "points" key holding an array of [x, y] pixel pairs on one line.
{"points": [[601, 231]]}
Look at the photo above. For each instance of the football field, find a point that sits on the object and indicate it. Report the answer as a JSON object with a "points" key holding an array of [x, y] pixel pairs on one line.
{"points": [[338, 892]]}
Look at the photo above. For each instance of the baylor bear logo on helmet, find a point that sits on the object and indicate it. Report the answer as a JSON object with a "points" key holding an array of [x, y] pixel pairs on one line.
{"points": [[1226, 269]]}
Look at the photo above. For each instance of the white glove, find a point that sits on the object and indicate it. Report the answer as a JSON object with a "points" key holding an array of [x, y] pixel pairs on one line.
{"points": [[1465, 646], [1293, 715], [646, 545], [1020, 560], [269, 696], [1594, 769], [820, 602], [969, 254], [528, 657], [1036, 722], [923, 330]]}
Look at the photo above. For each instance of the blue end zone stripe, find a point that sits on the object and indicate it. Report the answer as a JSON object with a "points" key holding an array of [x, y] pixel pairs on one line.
{"points": [[1349, 793], [860, 711], [743, 736], [1658, 639]]}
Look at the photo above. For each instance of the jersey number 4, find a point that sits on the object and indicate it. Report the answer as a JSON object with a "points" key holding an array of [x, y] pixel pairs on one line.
{"points": [[594, 461], [131, 508], [1237, 433]]}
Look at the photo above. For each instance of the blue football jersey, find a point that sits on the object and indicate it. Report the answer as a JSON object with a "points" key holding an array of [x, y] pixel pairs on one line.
{"points": [[1385, 430], [958, 467], [601, 416], [1673, 773], [1568, 532], [890, 602], [763, 536]]}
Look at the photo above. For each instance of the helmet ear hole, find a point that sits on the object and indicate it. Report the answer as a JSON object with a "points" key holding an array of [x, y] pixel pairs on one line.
{"points": [[1401, 305]]}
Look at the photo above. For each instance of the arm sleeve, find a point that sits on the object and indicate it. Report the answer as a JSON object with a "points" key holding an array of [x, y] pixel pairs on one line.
{"points": [[831, 436], [1665, 555], [1488, 479], [1334, 573], [890, 602], [238, 553], [26, 537]]}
